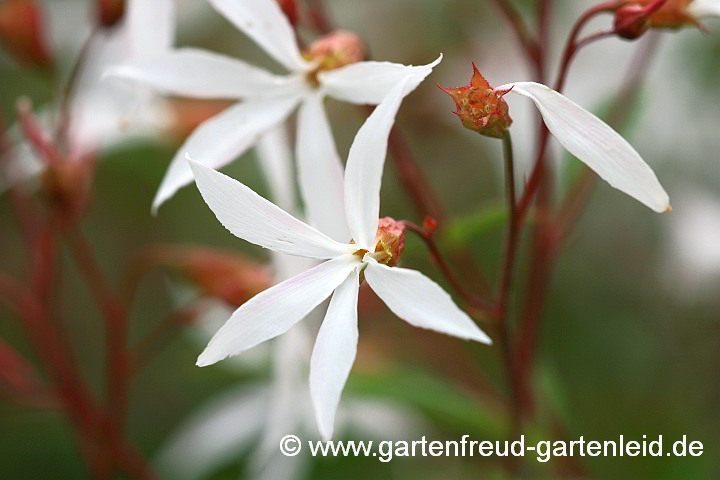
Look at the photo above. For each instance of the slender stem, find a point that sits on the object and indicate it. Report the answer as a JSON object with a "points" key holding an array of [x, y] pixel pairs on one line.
{"points": [[117, 328], [530, 45], [475, 301]]}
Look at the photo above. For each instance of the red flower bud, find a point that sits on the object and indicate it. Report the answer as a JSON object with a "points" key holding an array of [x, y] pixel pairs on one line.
{"points": [[672, 14], [631, 21], [430, 224], [390, 238], [110, 11], [23, 33], [225, 275], [481, 108]]}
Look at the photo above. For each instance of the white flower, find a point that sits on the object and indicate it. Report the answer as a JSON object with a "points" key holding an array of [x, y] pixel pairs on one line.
{"points": [[105, 112], [409, 294], [266, 100], [596, 144]]}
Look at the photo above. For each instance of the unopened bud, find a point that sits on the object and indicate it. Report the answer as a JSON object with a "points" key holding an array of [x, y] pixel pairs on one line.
{"points": [[336, 50], [224, 275], [22, 32], [631, 21], [110, 11], [671, 14], [390, 241], [480, 107], [430, 224]]}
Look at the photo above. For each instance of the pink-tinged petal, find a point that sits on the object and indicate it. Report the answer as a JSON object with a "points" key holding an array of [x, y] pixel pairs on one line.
{"points": [[276, 161], [265, 23], [222, 138], [364, 169], [596, 144], [334, 354], [251, 217], [277, 309], [150, 26], [367, 83], [420, 301], [192, 72], [320, 173]]}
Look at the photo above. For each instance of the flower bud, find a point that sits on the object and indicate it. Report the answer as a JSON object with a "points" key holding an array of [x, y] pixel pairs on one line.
{"points": [[671, 14], [336, 50], [480, 107], [110, 11], [390, 241], [631, 21], [23, 33], [216, 273]]}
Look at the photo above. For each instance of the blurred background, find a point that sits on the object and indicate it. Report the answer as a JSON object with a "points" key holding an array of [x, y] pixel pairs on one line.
{"points": [[630, 342]]}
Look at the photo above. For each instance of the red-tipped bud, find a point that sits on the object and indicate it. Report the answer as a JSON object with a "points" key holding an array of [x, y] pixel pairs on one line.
{"points": [[430, 224], [480, 107], [390, 238], [289, 7], [110, 11], [336, 50], [671, 14], [216, 273], [22, 32], [631, 21]]}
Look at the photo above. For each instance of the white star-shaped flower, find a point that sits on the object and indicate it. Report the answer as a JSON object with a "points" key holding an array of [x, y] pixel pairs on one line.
{"points": [[266, 100], [409, 294]]}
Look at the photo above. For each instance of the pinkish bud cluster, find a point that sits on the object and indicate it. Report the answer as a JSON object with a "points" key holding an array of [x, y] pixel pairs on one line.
{"points": [[390, 238], [335, 50], [480, 107]]}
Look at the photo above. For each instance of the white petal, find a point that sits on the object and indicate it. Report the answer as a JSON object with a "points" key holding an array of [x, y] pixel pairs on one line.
{"points": [[334, 353], [364, 169], [151, 26], [320, 173], [370, 82], [192, 72], [222, 138], [596, 144], [250, 217], [276, 161], [217, 433], [704, 8], [265, 23], [420, 301], [274, 311]]}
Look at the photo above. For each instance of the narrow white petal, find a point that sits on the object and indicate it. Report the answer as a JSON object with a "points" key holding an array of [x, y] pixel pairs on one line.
{"points": [[704, 8], [364, 169], [151, 26], [370, 82], [420, 301], [596, 144], [222, 138], [197, 73], [320, 171], [265, 23], [277, 309], [334, 354], [250, 217], [276, 161], [214, 434]]}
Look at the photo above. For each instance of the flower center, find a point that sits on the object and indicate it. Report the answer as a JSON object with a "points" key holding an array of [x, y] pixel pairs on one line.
{"points": [[333, 51]]}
